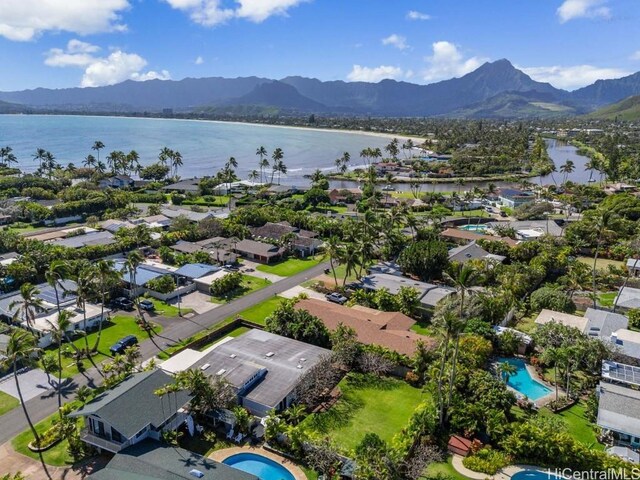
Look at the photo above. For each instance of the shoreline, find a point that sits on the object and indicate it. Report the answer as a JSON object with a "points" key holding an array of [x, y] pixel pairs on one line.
{"points": [[231, 122], [447, 180]]}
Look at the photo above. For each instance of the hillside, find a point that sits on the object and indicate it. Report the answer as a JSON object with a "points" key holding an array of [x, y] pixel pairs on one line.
{"points": [[628, 109], [517, 105]]}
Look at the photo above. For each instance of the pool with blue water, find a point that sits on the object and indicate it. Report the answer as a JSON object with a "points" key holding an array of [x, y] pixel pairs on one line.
{"points": [[523, 382], [262, 467]]}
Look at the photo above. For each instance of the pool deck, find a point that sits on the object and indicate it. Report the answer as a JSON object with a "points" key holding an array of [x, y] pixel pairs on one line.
{"points": [[505, 474], [221, 455], [542, 401]]}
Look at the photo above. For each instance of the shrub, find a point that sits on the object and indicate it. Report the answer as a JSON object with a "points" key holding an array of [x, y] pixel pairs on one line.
{"points": [[552, 299], [164, 284], [226, 284], [487, 461]]}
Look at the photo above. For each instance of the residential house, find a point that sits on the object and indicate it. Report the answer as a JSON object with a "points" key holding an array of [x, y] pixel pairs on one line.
{"points": [[619, 403], [192, 216], [218, 248], [513, 198], [302, 242], [192, 271], [282, 190], [135, 285], [8, 258], [188, 185], [463, 237], [627, 298], [473, 251], [344, 195], [264, 368], [531, 229], [242, 186], [633, 265], [132, 412], [619, 187], [429, 294], [116, 181], [258, 251], [87, 239], [148, 460], [390, 330]]}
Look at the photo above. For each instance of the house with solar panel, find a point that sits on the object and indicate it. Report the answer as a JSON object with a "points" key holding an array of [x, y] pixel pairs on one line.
{"points": [[46, 320], [137, 283], [619, 403]]}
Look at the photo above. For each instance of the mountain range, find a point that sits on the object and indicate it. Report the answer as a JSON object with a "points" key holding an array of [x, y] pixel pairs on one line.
{"points": [[494, 90]]}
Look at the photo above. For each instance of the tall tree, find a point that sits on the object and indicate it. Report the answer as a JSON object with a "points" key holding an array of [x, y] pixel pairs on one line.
{"points": [[105, 278], [29, 304], [97, 146]]}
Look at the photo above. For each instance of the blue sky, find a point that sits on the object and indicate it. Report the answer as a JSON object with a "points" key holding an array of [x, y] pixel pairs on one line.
{"points": [[65, 43]]}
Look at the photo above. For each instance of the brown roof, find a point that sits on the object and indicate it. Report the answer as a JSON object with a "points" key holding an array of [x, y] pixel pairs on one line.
{"points": [[456, 441], [373, 327], [456, 234], [258, 248]]}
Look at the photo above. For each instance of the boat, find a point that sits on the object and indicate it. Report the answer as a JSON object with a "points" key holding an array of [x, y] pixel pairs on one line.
{"points": [[389, 188]]}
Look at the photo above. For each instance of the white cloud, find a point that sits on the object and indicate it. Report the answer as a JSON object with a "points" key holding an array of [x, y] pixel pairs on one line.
{"points": [[572, 77], [373, 74], [447, 62], [98, 71], [635, 55], [413, 15], [396, 41], [199, 60], [571, 9], [23, 20], [211, 12]]}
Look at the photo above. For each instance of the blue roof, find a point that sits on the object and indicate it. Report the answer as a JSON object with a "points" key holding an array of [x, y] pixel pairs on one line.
{"points": [[196, 270], [144, 273]]}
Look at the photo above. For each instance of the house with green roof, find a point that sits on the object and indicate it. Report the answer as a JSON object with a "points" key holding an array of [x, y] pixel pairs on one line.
{"points": [[132, 412]]}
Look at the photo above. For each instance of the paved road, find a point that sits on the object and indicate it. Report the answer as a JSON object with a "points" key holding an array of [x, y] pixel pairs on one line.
{"points": [[13, 422]]}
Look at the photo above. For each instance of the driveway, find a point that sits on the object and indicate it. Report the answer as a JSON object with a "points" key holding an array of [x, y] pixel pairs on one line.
{"points": [[199, 302], [33, 383], [254, 272], [295, 291]]}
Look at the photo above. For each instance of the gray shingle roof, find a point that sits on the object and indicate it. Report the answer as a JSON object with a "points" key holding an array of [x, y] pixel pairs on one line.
{"points": [[472, 251], [132, 404], [152, 460], [603, 323], [619, 408]]}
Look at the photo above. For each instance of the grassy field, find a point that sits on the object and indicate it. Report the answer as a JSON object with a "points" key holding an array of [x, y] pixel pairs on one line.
{"points": [[577, 424], [424, 328], [290, 267], [249, 284], [444, 469], [368, 405], [166, 310], [7, 402], [607, 299], [120, 326], [260, 311], [603, 263], [56, 456]]}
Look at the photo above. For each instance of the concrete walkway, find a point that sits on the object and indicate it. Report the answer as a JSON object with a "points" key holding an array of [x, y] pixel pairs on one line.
{"points": [[253, 266], [505, 474], [221, 455]]}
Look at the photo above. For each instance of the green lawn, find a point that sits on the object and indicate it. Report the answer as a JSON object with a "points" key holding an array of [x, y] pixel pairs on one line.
{"points": [[238, 331], [166, 310], [120, 326], [602, 263], [7, 402], [290, 267], [423, 328], [249, 285], [445, 470], [262, 310], [56, 456], [368, 405], [577, 424], [471, 213], [607, 299]]}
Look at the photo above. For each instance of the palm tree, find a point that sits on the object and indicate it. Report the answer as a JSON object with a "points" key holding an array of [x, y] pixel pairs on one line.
{"points": [[264, 162], [58, 332], [29, 305], [176, 162], [134, 259], [58, 272], [590, 165], [133, 161], [105, 277], [567, 168], [97, 146], [89, 161], [40, 156], [449, 326], [83, 394], [277, 157], [85, 288], [604, 222], [506, 370], [21, 351], [463, 276], [552, 355]]}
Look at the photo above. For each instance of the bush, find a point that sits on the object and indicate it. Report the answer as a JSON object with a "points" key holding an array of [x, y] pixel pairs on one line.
{"points": [[163, 284], [487, 461], [552, 299], [226, 284]]}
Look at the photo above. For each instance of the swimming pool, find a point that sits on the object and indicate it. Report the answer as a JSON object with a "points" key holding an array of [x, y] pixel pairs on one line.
{"points": [[535, 475], [474, 228], [262, 467], [524, 383]]}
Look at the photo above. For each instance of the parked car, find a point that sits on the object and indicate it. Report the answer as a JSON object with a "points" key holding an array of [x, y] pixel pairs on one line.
{"points": [[231, 268], [121, 345], [147, 305], [354, 286], [336, 298], [503, 214], [123, 303]]}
